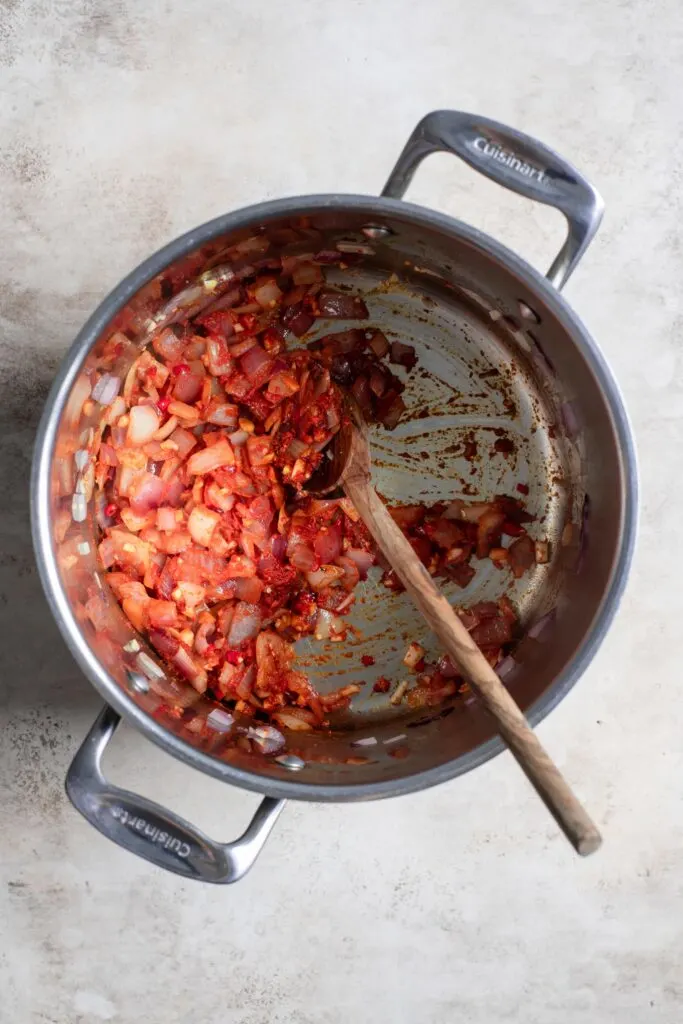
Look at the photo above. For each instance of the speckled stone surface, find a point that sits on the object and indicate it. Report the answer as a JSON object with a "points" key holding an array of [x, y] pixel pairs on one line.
{"points": [[124, 123]]}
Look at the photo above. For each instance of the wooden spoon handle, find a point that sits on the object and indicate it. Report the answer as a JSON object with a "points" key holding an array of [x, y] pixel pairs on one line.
{"points": [[443, 621]]}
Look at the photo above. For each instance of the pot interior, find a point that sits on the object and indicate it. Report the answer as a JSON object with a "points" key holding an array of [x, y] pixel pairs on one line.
{"points": [[495, 362]]}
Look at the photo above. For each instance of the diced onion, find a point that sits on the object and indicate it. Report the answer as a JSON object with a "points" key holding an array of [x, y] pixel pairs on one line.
{"points": [[106, 389], [505, 667], [296, 719], [296, 448], [363, 559], [146, 491], [402, 354], [541, 625], [255, 361], [324, 577], [306, 273], [79, 507], [267, 738], [399, 693], [201, 525], [209, 459], [302, 557], [143, 424], [413, 655], [219, 720], [245, 625], [149, 666], [239, 437], [222, 414], [328, 625], [473, 513], [267, 293]]}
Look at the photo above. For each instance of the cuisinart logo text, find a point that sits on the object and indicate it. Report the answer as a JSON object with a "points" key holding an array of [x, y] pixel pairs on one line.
{"points": [[137, 824], [489, 148]]}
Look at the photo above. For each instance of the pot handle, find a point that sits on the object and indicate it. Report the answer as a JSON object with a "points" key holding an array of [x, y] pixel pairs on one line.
{"points": [[515, 161], [148, 829]]}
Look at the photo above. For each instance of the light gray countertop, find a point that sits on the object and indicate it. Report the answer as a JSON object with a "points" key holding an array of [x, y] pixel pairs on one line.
{"points": [[123, 124]]}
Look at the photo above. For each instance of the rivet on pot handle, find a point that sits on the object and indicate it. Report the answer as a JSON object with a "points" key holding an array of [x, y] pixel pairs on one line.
{"points": [[149, 830], [514, 160]]}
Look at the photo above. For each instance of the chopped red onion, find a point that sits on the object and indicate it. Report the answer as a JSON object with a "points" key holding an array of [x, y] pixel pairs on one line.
{"points": [[106, 389], [249, 589], [267, 293], [219, 720], [81, 459], [328, 256], [278, 546], [342, 306], [413, 655], [166, 645], [391, 416], [446, 667], [221, 414], [348, 600], [363, 559], [328, 543], [289, 263], [327, 625], [242, 347], [378, 383], [238, 438], [254, 244], [322, 384], [224, 302], [255, 361], [302, 557], [454, 510], [324, 577], [188, 387], [219, 359], [79, 508], [146, 492], [267, 738], [149, 666], [298, 320], [473, 513], [540, 626], [360, 389], [379, 344], [144, 422], [245, 625], [247, 307], [403, 355], [296, 448], [166, 520], [505, 667], [305, 273]]}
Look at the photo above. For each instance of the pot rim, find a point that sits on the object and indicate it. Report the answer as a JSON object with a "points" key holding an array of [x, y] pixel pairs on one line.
{"points": [[71, 365]]}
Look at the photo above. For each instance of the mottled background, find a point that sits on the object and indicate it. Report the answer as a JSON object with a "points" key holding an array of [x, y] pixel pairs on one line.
{"points": [[125, 122]]}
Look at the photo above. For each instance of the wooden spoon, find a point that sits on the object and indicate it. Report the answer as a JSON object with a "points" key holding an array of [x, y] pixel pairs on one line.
{"points": [[348, 465]]}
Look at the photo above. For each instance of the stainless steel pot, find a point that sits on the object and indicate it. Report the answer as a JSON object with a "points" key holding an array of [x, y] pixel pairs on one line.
{"points": [[500, 351]]}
